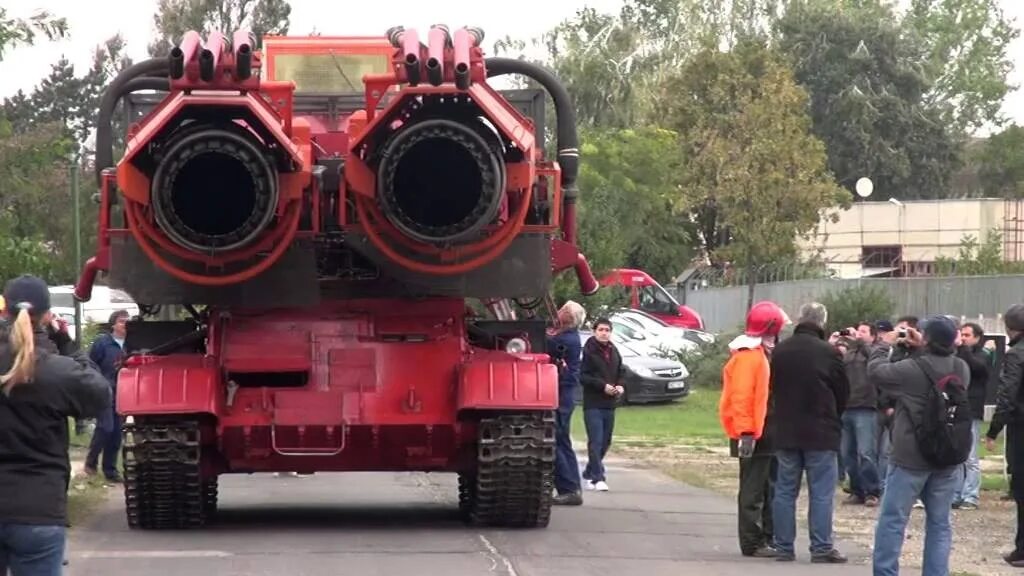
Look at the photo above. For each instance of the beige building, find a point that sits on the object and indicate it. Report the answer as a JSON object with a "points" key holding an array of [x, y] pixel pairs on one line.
{"points": [[893, 238]]}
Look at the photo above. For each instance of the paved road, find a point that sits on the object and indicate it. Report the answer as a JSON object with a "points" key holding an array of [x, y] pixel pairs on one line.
{"points": [[387, 524]]}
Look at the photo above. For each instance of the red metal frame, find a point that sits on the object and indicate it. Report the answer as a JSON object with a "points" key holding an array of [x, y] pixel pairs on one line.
{"points": [[388, 385]]}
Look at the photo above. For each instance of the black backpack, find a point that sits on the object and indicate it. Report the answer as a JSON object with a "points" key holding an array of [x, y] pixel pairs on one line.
{"points": [[944, 434]]}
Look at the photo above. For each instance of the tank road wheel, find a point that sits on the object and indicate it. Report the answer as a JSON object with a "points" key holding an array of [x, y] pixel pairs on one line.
{"points": [[512, 484], [162, 483]]}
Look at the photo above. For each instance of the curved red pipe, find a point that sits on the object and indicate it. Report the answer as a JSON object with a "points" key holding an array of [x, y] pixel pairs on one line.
{"points": [[292, 214]]}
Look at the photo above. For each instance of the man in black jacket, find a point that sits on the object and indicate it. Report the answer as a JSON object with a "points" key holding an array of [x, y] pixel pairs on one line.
{"points": [[601, 375], [1009, 411], [809, 390], [973, 352]]}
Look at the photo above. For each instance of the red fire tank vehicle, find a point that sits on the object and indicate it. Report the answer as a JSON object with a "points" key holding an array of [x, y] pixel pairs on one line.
{"points": [[362, 231]]}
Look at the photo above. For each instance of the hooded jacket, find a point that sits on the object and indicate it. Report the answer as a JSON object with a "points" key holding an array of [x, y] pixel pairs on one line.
{"points": [[34, 466], [743, 406], [907, 386]]}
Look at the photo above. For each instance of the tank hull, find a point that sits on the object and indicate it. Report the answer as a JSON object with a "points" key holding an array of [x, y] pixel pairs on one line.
{"points": [[353, 385]]}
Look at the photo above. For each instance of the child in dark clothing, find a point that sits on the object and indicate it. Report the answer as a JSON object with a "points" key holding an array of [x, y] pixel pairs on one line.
{"points": [[601, 375]]}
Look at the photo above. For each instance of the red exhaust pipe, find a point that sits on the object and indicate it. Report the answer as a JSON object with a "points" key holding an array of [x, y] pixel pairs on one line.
{"points": [[465, 38], [83, 289], [242, 43], [182, 54], [210, 55], [438, 39], [588, 284]]}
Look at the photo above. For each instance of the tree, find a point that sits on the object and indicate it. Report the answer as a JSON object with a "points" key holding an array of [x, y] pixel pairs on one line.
{"points": [[175, 17], [866, 76], [749, 160], [1000, 164], [978, 258], [861, 303], [16, 32], [967, 44]]}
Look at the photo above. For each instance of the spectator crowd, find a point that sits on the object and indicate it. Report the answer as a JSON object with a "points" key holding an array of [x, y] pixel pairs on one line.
{"points": [[892, 414]]}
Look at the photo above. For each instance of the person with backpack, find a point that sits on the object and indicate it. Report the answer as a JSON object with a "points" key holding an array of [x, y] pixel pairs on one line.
{"points": [[931, 439], [1010, 414]]}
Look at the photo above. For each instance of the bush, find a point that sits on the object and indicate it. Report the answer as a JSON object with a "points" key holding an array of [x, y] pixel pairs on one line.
{"points": [[866, 302], [705, 365]]}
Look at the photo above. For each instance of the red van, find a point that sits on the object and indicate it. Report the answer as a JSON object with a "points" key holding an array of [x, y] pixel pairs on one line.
{"points": [[647, 295]]}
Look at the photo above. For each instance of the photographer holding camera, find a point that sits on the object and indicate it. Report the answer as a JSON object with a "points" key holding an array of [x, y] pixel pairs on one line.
{"points": [[859, 442], [43, 383]]}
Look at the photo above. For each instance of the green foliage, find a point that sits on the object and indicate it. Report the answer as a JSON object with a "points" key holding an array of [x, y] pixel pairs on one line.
{"points": [[869, 85], [866, 302], [705, 364], [1000, 164], [16, 32], [90, 330], [175, 17], [749, 160], [978, 258]]}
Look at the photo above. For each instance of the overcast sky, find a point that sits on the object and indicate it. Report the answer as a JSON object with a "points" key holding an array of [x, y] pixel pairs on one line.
{"points": [[92, 21]]}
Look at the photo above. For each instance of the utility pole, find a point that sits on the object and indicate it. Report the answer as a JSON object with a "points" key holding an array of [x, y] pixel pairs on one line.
{"points": [[76, 219]]}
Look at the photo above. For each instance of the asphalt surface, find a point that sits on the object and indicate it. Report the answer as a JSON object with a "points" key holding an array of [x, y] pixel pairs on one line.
{"points": [[388, 524]]}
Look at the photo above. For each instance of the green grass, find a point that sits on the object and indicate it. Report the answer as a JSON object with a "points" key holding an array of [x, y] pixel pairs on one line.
{"points": [[689, 420]]}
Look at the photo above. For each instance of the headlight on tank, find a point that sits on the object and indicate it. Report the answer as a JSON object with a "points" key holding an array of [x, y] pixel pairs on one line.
{"points": [[516, 346]]}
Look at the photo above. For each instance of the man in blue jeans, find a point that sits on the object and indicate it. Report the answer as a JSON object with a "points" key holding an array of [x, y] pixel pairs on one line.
{"points": [[107, 351], [601, 377], [911, 476], [809, 389], [566, 351], [860, 419]]}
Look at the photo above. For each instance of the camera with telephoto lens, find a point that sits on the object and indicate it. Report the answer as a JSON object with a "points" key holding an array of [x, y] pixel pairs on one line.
{"points": [[901, 332]]}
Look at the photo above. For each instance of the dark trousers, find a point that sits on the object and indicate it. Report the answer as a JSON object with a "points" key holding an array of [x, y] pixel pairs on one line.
{"points": [[1014, 445], [106, 440], [567, 469], [600, 423], [757, 490], [28, 550]]}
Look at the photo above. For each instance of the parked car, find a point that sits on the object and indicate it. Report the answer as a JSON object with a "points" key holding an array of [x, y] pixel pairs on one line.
{"points": [[104, 302], [648, 378], [668, 340]]}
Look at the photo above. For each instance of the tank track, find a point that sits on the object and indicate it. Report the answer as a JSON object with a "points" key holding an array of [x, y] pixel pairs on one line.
{"points": [[163, 487], [512, 484]]}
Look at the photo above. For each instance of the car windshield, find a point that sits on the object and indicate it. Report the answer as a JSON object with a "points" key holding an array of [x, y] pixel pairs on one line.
{"points": [[644, 321]]}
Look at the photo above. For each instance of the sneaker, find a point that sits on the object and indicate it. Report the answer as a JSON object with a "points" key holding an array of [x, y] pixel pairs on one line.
{"points": [[568, 499], [1015, 558], [967, 506], [781, 556], [589, 485], [918, 504], [831, 557], [853, 499], [601, 486], [871, 501]]}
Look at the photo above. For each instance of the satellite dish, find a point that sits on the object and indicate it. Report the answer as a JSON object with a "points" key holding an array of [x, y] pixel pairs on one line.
{"points": [[864, 187]]}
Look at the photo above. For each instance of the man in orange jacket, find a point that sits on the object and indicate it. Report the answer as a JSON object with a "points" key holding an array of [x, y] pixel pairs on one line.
{"points": [[744, 413]]}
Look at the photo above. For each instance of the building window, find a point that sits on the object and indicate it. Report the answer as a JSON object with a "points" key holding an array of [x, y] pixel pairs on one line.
{"points": [[881, 256], [919, 269]]}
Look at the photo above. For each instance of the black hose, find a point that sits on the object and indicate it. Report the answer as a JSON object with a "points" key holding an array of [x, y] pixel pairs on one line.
{"points": [[118, 88], [565, 113]]}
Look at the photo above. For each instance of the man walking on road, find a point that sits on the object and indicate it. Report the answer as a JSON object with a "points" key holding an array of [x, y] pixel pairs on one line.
{"points": [[809, 388], [921, 467], [744, 412], [601, 376]]}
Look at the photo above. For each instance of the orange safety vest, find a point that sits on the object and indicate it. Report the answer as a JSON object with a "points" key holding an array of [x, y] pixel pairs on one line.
{"points": [[744, 403]]}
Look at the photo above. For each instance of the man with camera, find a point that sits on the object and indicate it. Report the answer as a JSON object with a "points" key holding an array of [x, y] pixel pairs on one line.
{"points": [[859, 447]]}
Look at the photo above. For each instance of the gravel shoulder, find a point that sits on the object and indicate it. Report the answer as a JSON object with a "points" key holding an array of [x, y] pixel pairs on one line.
{"points": [[980, 537]]}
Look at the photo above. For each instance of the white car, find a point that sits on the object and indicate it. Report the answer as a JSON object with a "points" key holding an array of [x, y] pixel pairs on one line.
{"points": [[664, 331], [104, 302], [665, 344]]}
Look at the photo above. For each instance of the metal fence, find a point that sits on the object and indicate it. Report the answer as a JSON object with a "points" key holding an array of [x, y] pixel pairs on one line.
{"points": [[980, 299]]}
